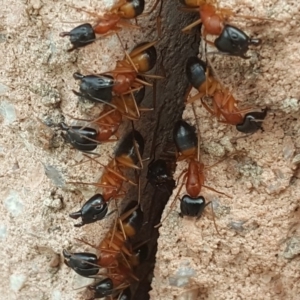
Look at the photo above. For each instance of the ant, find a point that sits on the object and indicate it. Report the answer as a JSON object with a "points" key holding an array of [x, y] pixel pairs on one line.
{"points": [[187, 145], [85, 34], [231, 40], [86, 139], [123, 79], [224, 105], [113, 248], [127, 155]]}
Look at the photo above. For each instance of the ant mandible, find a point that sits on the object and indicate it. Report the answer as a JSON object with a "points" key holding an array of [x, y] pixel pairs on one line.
{"points": [[231, 40], [85, 34], [224, 105]]}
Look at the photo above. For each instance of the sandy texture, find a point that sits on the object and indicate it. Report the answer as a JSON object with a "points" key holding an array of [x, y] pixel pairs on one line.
{"points": [[257, 254]]}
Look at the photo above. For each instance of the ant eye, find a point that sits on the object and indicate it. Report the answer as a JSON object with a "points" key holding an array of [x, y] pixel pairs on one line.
{"points": [[99, 207], [234, 36]]}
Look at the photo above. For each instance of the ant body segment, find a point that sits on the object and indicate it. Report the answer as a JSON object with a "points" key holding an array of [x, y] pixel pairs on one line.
{"points": [[231, 40], [224, 105], [85, 34], [127, 155]]}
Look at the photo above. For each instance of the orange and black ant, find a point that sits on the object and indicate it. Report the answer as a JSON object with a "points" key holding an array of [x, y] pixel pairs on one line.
{"points": [[231, 40], [113, 247], [187, 145], [224, 105], [123, 79], [127, 155], [111, 22], [86, 139]]}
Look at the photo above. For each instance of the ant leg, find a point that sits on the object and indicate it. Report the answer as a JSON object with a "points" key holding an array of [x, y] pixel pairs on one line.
{"points": [[188, 9], [147, 13], [216, 191], [213, 216], [137, 110], [142, 48], [128, 25], [198, 132], [143, 82], [194, 98], [128, 56], [111, 171], [208, 108], [247, 17], [85, 242], [174, 201], [189, 27]]}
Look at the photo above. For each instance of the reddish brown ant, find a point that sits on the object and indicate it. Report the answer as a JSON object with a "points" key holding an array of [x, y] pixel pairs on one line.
{"points": [[127, 155], [230, 40], [123, 81], [86, 139], [224, 105], [187, 144], [107, 24]]}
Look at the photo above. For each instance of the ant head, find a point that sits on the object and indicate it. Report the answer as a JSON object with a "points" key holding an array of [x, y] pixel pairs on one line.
{"points": [[93, 210], [146, 58], [95, 88], [195, 69], [83, 263], [192, 207], [252, 122], [132, 8], [103, 288], [81, 138], [234, 41], [185, 138], [80, 36]]}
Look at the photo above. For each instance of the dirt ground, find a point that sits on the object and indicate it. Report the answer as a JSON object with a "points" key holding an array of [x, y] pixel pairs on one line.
{"points": [[256, 255]]}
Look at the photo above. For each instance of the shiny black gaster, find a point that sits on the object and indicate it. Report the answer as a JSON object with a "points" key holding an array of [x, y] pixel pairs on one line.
{"points": [[126, 147], [184, 136], [195, 69]]}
